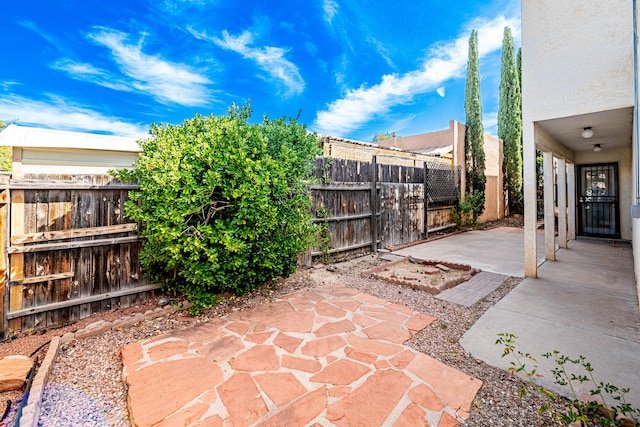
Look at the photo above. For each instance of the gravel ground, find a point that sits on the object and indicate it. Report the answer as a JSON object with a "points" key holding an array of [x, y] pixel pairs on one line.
{"points": [[86, 389]]}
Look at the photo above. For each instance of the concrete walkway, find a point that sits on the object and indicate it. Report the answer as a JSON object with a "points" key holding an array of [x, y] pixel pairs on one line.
{"points": [[585, 303], [330, 356], [498, 250]]}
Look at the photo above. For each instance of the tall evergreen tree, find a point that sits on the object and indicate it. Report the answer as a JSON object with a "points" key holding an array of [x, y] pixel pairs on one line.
{"points": [[474, 135], [510, 125]]}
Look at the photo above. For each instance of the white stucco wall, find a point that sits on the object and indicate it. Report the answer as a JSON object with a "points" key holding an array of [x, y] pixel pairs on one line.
{"points": [[622, 156], [577, 68]]}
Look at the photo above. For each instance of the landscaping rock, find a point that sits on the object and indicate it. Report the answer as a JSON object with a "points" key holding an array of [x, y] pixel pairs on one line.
{"points": [[13, 372]]}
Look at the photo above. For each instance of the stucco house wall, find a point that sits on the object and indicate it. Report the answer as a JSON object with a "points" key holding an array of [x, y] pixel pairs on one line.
{"points": [[581, 67], [578, 68], [454, 138]]}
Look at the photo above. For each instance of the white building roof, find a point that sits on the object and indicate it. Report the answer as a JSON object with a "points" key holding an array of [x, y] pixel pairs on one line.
{"points": [[24, 136]]}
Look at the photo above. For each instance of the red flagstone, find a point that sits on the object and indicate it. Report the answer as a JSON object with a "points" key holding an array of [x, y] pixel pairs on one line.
{"points": [[448, 421], [287, 342], [162, 388], [305, 365], [242, 400], [370, 299], [300, 412], [323, 346], [184, 417], [363, 321], [385, 315], [202, 332], [372, 402], [350, 304], [334, 328], [258, 338], [292, 373], [403, 359], [280, 388], [388, 331], [221, 349], [425, 397], [374, 346], [399, 308], [167, 349], [359, 355], [258, 358], [329, 310], [341, 372], [455, 388], [239, 328], [131, 353], [413, 416], [418, 322]]}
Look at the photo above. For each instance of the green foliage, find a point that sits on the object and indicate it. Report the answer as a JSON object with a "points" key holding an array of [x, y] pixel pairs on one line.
{"points": [[510, 125], [222, 203], [474, 135], [379, 136], [577, 410], [5, 154], [467, 211]]}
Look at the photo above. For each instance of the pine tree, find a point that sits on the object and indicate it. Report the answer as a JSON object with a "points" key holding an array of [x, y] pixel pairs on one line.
{"points": [[474, 135], [510, 125]]}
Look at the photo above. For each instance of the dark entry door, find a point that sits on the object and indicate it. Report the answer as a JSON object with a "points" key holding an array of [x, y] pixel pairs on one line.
{"points": [[598, 200]]}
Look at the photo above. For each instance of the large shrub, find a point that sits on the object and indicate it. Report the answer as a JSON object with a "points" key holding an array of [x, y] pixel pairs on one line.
{"points": [[223, 204]]}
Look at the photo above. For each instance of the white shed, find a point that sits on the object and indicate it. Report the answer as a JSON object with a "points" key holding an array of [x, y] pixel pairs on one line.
{"points": [[37, 150]]}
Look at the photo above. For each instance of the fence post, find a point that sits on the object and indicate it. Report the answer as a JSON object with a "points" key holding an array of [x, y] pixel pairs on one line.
{"points": [[426, 200], [374, 205]]}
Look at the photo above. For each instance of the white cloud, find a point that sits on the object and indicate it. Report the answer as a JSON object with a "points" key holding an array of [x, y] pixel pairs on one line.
{"points": [[270, 59], [330, 9], [166, 81], [57, 113], [445, 61], [89, 73], [441, 91], [490, 123]]}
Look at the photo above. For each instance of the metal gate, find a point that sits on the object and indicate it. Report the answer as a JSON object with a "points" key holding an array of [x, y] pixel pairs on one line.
{"points": [[598, 200]]}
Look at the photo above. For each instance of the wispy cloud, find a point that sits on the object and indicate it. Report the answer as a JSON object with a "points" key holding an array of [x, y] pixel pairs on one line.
{"points": [[445, 61], [53, 41], [490, 123], [330, 9], [382, 50], [58, 113], [168, 82], [270, 59]]}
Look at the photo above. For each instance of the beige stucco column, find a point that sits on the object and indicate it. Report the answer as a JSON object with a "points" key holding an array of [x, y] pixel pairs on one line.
{"points": [[549, 207], [529, 190], [571, 201], [562, 203]]}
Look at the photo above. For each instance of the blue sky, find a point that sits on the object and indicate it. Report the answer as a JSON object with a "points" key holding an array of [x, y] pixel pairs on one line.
{"points": [[351, 68]]}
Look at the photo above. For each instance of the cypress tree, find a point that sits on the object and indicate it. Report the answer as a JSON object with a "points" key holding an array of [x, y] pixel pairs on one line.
{"points": [[510, 125], [474, 135]]}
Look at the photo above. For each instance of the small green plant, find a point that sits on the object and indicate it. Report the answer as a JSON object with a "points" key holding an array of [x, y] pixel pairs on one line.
{"points": [[592, 411], [462, 213], [326, 170]]}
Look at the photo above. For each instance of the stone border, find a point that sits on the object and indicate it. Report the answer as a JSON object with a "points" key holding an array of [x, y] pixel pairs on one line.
{"points": [[434, 291], [31, 412]]}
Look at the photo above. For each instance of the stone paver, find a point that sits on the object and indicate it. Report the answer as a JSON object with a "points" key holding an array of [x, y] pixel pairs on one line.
{"points": [[473, 290], [330, 356]]}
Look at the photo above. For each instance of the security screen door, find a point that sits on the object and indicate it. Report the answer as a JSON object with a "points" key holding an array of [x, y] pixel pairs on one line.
{"points": [[598, 200]]}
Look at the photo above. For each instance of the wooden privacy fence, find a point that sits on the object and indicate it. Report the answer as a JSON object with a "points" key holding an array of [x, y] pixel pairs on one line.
{"points": [[69, 250], [366, 205]]}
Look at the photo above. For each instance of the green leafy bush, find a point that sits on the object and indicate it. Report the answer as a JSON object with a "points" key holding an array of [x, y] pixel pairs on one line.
{"points": [[222, 203]]}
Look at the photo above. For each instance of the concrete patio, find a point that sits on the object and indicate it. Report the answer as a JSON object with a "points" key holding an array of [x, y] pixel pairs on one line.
{"points": [[584, 303]]}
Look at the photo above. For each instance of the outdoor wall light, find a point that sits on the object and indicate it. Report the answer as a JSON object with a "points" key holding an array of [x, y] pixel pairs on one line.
{"points": [[587, 133], [597, 148]]}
